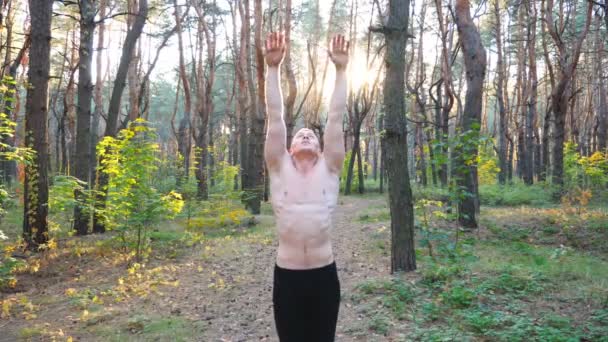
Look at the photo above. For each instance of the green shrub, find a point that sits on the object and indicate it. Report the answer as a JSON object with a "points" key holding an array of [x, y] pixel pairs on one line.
{"points": [[458, 297], [134, 204]]}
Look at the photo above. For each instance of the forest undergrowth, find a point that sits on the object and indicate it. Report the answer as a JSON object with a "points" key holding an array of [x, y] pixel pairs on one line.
{"points": [[529, 273]]}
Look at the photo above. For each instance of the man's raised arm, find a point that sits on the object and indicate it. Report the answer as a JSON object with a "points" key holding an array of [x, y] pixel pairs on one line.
{"points": [[275, 146], [333, 149]]}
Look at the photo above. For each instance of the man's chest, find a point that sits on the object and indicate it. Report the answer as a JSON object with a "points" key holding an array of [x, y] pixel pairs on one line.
{"points": [[319, 186]]}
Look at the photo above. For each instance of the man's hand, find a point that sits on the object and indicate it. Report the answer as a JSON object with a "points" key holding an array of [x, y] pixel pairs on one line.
{"points": [[339, 52], [275, 49]]}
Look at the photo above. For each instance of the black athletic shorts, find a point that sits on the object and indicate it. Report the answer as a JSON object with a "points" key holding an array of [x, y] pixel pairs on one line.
{"points": [[306, 303]]}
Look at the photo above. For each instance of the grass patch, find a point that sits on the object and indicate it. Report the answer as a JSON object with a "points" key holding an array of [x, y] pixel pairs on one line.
{"points": [[504, 288], [382, 215], [516, 194], [527, 267], [151, 328]]}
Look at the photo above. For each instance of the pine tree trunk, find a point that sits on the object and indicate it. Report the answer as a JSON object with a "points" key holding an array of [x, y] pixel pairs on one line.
{"points": [[475, 66], [85, 94], [35, 208], [532, 96], [255, 190], [403, 256]]}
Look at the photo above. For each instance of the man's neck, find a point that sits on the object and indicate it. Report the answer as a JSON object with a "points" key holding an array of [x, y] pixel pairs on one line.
{"points": [[304, 162]]}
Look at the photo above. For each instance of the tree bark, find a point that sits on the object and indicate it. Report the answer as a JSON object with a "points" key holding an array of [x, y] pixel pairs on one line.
{"points": [[35, 208], [475, 66], [403, 256]]}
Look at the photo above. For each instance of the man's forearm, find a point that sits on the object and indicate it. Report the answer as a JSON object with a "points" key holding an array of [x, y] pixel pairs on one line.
{"points": [[337, 104], [274, 97]]}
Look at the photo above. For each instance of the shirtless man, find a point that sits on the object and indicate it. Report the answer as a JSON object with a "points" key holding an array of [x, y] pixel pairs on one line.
{"points": [[304, 187]]}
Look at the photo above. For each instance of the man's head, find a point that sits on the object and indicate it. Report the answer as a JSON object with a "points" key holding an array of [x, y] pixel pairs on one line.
{"points": [[305, 142]]}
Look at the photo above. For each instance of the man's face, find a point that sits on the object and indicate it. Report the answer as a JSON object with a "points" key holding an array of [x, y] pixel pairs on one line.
{"points": [[305, 141]]}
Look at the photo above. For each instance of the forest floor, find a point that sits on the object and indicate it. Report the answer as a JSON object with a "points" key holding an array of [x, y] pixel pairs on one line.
{"points": [[528, 273]]}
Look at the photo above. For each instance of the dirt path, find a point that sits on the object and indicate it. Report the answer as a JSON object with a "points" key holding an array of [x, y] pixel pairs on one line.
{"points": [[243, 310]]}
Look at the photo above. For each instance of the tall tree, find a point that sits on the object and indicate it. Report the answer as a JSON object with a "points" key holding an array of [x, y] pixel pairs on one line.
{"points": [[83, 122], [35, 208], [403, 255], [475, 66], [255, 190], [532, 94]]}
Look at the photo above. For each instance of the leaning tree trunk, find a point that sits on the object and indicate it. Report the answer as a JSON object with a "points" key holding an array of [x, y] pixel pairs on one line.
{"points": [[83, 121], [35, 206], [403, 255], [114, 108], [475, 66]]}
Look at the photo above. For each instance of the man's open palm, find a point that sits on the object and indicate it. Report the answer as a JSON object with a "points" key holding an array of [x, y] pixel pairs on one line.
{"points": [[339, 51], [275, 48]]}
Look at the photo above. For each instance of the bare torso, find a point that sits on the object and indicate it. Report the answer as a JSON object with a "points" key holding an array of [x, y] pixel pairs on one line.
{"points": [[303, 205]]}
